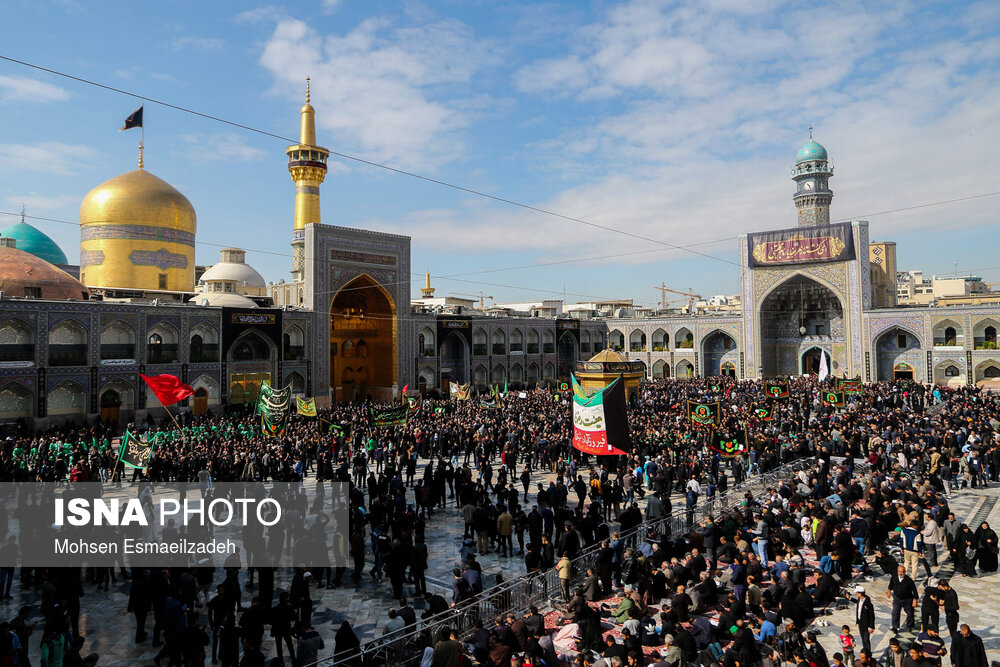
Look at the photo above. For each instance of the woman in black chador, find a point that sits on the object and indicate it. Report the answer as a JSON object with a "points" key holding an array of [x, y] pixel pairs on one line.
{"points": [[986, 548]]}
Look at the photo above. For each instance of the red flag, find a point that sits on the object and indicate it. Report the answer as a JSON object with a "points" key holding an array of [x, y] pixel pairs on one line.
{"points": [[402, 394], [168, 389]]}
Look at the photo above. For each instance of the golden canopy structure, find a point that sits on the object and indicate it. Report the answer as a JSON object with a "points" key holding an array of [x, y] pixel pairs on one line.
{"points": [[605, 367], [137, 233]]}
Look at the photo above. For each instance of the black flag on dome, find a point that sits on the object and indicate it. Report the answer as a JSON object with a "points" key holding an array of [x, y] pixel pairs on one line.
{"points": [[134, 120]]}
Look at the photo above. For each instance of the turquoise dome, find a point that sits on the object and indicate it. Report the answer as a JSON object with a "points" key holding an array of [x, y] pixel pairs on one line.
{"points": [[33, 241], [811, 151]]}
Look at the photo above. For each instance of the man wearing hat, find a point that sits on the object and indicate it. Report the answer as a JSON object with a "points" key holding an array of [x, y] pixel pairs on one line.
{"points": [[865, 617]]}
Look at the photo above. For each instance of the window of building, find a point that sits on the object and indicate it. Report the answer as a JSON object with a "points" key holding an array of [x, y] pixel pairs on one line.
{"points": [[33, 292], [901, 341], [951, 372], [229, 287], [992, 372], [163, 281]]}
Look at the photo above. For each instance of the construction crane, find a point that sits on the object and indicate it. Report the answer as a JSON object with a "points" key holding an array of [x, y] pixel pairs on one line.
{"points": [[689, 294], [480, 296]]}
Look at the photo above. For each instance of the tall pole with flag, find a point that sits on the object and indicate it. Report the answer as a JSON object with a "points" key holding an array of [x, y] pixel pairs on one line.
{"points": [[135, 120], [168, 390]]}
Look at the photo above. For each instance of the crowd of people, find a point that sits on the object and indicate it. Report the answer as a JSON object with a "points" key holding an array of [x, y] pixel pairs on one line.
{"points": [[736, 589]]}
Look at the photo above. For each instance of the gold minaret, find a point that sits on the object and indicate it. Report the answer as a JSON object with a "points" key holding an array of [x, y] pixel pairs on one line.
{"points": [[307, 167], [427, 291]]}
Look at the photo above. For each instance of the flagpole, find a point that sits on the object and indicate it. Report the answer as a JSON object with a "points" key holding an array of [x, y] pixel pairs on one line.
{"points": [[142, 139]]}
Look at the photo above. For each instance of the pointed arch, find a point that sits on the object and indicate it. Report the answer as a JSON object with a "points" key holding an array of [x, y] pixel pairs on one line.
{"points": [[532, 342], [251, 345], [68, 344], [203, 344], [17, 341], [894, 345], [948, 333], [637, 341], [660, 340], [684, 339], [364, 311], [16, 401], [67, 399], [118, 341]]}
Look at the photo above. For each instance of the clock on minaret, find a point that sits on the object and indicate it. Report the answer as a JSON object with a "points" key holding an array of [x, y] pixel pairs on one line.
{"points": [[813, 196]]}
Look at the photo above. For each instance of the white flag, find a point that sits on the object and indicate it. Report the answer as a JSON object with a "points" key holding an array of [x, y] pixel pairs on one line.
{"points": [[824, 371]]}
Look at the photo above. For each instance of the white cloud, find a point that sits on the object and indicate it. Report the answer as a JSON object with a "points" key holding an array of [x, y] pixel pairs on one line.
{"points": [[266, 14], [36, 203], [25, 89], [699, 111], [52, 156], [394, 93], [226, 146], [330, 6], [198, 44]]}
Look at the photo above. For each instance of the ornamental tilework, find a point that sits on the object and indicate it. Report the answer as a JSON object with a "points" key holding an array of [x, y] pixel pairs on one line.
{"points": [[833, 275], [880, 323], [162, 259], [136, 233]]}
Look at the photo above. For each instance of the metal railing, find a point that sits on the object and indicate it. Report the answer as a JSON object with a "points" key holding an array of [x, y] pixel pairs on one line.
{"points": [[538, 589]]}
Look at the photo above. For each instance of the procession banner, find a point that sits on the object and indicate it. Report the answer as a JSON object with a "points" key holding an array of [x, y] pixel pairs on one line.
{"points": [[850, 385], [273, 407], [764, 412], [600, 423], [305, 406], [834, 398], [413, 403], [714, 385], [776, 388], [823, 243], [706, 414], [729, 445], [395, 416], [133, 452]]}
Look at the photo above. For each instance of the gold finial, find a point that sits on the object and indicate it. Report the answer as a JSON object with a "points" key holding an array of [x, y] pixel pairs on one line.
{"points": [[22, 214], [140, 155], [810, 133], [427, 292], [307, 91]]}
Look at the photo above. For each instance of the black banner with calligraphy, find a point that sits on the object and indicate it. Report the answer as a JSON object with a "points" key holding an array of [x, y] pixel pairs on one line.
{"points": [[802, 245]]}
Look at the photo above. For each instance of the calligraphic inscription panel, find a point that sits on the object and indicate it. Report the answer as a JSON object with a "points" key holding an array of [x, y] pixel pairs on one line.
{"points": [[825, 243]]}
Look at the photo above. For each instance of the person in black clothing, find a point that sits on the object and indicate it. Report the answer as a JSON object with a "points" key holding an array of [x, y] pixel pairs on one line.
{"points": [[948, 600], [903, 593], [967, 649], [283, 619], [140, 601], [864, 616], [435, 604]]}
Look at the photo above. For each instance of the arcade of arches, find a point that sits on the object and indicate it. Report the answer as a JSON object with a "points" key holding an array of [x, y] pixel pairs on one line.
{"points": [[362, 341], [799, 320]]}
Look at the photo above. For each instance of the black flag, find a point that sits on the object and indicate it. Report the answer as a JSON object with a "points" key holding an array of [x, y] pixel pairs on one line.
{"points": [[134, 120]]}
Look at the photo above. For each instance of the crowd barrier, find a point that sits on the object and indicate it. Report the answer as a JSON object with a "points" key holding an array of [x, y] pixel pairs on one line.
{"points": [[405, 646]]}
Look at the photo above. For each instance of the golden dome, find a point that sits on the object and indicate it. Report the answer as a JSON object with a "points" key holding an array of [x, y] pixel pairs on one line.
{"points": [[24, 275], [608, 357], [138, 197], [137, 232]]}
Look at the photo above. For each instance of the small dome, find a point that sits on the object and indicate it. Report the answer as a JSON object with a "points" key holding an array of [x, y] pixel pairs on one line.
{"points": [[608, 357], [227, 299], [24, 274], [35, 242], [811, 151], [241, 274]]}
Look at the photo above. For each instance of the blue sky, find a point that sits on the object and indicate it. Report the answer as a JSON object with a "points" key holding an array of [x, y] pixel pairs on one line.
{"points": [[674, 121]]}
